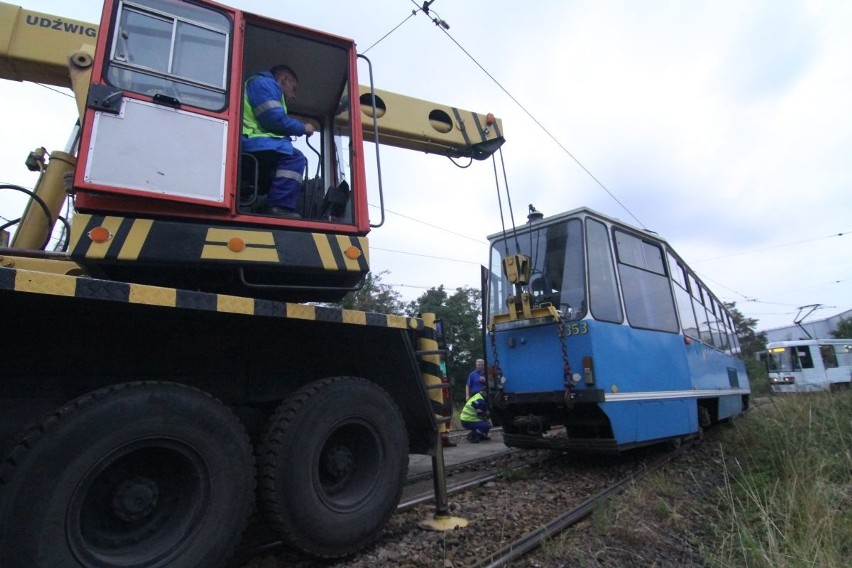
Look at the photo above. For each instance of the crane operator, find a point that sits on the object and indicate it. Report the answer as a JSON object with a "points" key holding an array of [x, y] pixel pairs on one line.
{"points": [[267, 129]]}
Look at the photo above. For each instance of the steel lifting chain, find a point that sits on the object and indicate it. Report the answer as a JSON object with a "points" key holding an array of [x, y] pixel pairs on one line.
{"points": [[566, 364], [498, 372]]}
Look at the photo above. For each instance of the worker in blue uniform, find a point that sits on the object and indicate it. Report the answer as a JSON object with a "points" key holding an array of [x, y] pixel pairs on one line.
{"points": [[267, 128], [474, 417]]}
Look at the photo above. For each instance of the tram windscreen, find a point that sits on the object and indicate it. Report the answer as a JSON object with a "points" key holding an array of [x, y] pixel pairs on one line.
{"points": [[780, 359], [557, 274], [788, 359]]}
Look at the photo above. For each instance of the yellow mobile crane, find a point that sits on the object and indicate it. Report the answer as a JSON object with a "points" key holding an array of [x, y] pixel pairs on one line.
{"points": [[161, 376]]}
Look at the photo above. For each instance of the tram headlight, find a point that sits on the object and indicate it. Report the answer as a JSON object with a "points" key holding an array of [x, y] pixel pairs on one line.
{"points": [[783, 380]]}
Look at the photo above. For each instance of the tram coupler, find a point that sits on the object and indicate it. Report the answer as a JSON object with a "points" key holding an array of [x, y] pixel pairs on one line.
{"points": [[442, 520]]}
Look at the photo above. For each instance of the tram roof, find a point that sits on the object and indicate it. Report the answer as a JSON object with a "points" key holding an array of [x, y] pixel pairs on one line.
{"points": [[574, 213]]}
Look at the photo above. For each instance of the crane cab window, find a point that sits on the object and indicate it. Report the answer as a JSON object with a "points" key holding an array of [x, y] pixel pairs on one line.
{"points": [[163, 47]]}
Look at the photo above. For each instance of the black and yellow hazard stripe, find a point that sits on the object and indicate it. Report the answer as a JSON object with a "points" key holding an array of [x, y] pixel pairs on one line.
{"points": [[102, 238], [32, 282], [415, 124], [429, 356], [474, 129]]}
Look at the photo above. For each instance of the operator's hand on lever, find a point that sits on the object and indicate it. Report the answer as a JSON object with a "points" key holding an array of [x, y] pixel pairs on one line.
{"points": [[309, 129]]}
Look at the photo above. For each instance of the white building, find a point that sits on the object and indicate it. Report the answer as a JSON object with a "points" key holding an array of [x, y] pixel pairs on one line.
{"points": [[818, 329]]}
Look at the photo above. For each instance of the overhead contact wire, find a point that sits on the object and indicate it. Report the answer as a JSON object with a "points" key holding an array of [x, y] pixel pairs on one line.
{"points": [[543, 128]]}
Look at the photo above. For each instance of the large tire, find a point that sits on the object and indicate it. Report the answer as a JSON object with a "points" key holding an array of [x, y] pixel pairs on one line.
{"points": [[136, 475], [333, 465]]}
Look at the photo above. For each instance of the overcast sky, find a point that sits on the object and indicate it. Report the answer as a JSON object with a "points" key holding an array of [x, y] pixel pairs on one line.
{"points": [[723, 126]]}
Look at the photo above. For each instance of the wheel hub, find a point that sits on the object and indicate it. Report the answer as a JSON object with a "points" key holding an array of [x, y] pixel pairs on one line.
{"points": [[339, 462], [135, 499]]}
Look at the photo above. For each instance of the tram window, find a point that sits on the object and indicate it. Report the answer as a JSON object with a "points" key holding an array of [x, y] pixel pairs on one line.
{"points": [[572, 272], [603, 288], [498, 283], [703, 324], [736, 344], [715, 323], [704, 315], [779, 360], [695, 289], [645, 285], [558, 274], [829, 358], [677, 271], [725, 337], [729, 327], [844, 355], [636, 252], [687, 316], [803, 357], [684, 302]]}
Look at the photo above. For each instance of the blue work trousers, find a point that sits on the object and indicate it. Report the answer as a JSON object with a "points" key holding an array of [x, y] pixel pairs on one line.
{"points": [[287, 178], [478, 430]]}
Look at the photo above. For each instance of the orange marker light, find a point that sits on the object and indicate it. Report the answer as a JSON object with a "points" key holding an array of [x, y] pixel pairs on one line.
{"points": [[352, 253], [236, 244], [489, 119], [100, 234]]}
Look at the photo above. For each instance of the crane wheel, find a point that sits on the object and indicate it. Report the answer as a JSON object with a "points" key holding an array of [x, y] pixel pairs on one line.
{"points": [[332, 466], [146, 474]]}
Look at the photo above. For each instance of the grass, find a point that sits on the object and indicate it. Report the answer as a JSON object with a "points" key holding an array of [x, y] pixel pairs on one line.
{"points": [[758, 378], [511, 475], [770, 489], [788, 493]]}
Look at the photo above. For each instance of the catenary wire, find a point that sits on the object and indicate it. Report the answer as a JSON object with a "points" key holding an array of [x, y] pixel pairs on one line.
{"points": [[772, 247], [413, 13], [539, 124], [474, 239], [427, 256]]}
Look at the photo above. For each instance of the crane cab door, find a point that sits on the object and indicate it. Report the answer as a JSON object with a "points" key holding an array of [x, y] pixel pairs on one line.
{"points": [[161, 133]]}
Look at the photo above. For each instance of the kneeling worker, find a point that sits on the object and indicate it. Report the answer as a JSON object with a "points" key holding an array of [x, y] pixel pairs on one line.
{"points": [[474, 417]]}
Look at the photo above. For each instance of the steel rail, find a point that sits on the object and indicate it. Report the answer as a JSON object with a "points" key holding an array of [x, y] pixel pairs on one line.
{"points": [[452, 488], [533, 539]]}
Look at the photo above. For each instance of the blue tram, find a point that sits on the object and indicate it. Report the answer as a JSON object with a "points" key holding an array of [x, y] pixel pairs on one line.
{"points": [[601, 338]]}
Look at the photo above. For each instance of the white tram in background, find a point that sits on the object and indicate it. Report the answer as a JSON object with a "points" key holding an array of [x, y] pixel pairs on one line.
{"points": [[808, 365]]}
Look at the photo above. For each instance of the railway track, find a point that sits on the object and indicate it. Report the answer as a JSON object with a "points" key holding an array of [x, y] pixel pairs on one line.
{"points": [[512, 501], [517, 548]]}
